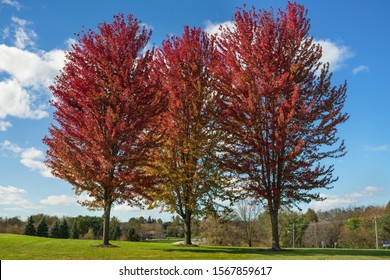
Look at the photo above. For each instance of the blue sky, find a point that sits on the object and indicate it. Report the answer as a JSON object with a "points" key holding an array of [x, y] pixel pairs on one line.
{"points": [[35, 34]]}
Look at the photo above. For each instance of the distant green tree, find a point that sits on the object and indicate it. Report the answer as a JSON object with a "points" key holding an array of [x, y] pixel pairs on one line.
{"points": [[132, 235], [43, 229], [311, 216], [29, 229], [293, 226], [74, 231], [387, 208], [354, 223], [115, 230], [87, 225], [386, 224], [142, 220], [64, 229], [55, 230], [134, 229]]}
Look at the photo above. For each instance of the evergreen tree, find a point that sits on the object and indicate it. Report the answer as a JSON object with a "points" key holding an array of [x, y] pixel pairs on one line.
{"points": [[115, 231], [55, 230], [311, 216], [64, 229], [74, 231], [29, 229], [132, 235], [43, 229]]}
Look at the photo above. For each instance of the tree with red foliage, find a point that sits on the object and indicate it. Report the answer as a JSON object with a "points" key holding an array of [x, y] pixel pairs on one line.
{"points": [[187, 177], [278, 107], [106, 109]]}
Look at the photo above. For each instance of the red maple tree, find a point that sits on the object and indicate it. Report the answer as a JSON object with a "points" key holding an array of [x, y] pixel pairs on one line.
{"points": [[188, 180], [279, 108], [106, 109]]}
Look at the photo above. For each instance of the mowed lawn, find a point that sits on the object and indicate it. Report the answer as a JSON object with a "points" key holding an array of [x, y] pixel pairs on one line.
{"points": [[21, 247]]}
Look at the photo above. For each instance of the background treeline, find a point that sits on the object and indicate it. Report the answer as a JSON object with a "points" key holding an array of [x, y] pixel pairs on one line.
{"points": [[347, 228], [246, 225], [90, 227]]}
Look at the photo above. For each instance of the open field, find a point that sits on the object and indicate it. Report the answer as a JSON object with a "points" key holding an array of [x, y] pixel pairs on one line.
{"points": [[14, 247]]}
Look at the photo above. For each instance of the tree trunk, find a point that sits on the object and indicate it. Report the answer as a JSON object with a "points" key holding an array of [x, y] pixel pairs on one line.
{"points": [[275, 229], [106, 222], [187, 229]]}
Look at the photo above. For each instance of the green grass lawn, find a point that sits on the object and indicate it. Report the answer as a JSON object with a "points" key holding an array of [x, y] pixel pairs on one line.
{"points": [[28, 248]]}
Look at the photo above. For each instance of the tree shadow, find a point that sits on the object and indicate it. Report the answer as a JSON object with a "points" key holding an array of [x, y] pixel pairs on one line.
{"points": [[311, 253]]}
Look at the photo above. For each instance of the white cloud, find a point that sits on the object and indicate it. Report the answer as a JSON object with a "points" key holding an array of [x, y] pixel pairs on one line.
{"points": [[16, 101], [31, 69], [15, 197], [332, 201], [125, 208], [7, 145], [32, 158], [213, 28], [26, 74], [334, 54], [4, 125], [368, 191], [347, 200], [147, 26], [12, 3], [360, 69], [59, 200], [380, 148], [70, 42], [24, 93], [24, 36], [5, 32]]}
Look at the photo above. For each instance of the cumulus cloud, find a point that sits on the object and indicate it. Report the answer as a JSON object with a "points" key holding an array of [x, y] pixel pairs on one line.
{"points": [[12, 3], [333, 53], [30, 69], [17, 102], [5, 32], [380, 148], [7, 145], [58, 200], [14, 196], [24, 36], [25, 73], [24, 91], [125, 208], [4, 125], [368, 191], [32, 158], [360, 69], [70, 42], [347, 200], [214, 28]]}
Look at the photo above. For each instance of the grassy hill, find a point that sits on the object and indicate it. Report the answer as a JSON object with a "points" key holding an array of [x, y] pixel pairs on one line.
{"points": [[14, 246]]}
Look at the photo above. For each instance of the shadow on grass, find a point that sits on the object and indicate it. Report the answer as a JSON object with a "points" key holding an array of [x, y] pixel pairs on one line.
{"points": [[302, 253]]}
